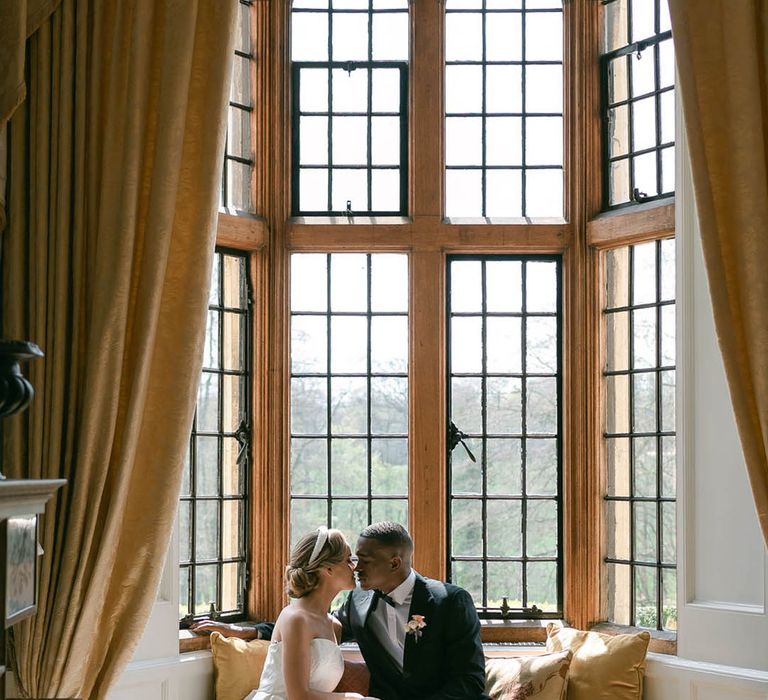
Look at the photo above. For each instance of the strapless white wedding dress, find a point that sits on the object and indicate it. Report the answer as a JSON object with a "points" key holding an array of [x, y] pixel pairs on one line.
{"points": [[325, 670]]}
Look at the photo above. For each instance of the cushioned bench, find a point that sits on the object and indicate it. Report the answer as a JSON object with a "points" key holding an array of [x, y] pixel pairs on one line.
{"points": [[576, 665]]}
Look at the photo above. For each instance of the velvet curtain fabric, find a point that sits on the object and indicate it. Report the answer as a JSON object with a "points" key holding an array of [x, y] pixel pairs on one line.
{"points": [[115, 160], [722, 57]]}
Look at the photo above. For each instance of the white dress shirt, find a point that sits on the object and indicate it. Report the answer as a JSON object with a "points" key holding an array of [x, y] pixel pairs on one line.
{"points": [[388, 622]]}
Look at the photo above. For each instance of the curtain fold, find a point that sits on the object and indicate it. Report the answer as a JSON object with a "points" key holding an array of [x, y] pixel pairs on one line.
{"points": [[115, 161], [722, 58], [18, 20]]}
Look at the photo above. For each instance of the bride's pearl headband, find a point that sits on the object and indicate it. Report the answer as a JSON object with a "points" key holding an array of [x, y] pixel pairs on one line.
{"points": [[322, 538]]}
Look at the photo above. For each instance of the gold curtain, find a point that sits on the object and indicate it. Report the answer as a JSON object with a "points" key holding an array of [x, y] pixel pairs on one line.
{"points": [[18, 20], [722, 58], [115, 160]]}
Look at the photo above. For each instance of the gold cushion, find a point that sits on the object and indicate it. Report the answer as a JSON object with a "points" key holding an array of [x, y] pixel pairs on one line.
{"points": [[521, 677], [604, 667], [237, 665]]}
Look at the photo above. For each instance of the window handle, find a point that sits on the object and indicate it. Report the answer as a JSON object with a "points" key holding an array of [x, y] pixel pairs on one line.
{"points": [[455, 436], [242, 435]]}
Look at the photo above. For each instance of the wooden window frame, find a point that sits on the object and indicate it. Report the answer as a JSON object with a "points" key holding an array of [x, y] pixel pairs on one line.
{"points": [[272, 235]]}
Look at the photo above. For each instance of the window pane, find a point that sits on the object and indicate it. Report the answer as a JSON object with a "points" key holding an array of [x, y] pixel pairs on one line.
{"points": [[503, 367], [238, 163], [364, 131], [504, 523], [504, 65], [213, 495], [640, 434], [638, 101], [357, 462]]}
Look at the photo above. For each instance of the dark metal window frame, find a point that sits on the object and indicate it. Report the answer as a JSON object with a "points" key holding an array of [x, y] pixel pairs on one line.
{"points": [[242, 435], [369, 167], [636, 48], [660, 566], [483, 610], [329, 436], [523, 114], [248, 109], [349, 66]]}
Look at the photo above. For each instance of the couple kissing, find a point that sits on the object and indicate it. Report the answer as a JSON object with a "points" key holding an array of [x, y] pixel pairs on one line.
{"points": [[420, 638]]}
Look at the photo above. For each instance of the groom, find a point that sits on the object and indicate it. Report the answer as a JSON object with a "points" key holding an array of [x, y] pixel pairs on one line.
{"points": [[420, 638]]}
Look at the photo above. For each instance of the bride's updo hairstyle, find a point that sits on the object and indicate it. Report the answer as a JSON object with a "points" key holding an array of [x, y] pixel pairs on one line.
{"points": [[309, 556]]}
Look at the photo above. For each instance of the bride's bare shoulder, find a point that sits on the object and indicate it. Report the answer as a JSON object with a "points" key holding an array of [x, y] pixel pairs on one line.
{"points": [[337, 628], [292, 620]]}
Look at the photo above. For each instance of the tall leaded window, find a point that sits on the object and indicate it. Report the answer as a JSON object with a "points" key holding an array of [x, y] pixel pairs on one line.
{"points": [[504, 108], [639, 378], [349, 390], [238, 154], [350, 137], [504, 372], [214, 492], [638, 74]]}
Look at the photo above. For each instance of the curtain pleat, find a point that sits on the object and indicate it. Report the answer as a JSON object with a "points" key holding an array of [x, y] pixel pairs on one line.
{"points": [[722, 57], [115, 159], [18, 20]]}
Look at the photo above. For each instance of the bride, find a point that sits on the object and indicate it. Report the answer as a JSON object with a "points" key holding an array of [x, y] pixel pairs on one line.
{"points": [[304, 661]]}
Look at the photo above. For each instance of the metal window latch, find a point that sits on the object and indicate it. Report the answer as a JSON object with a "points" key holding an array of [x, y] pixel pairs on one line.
{"points": [[506, 610], [349, 67], [349, 211], [242, 436], [639, 196], [455, 436], [641, 46], [189, 619]]}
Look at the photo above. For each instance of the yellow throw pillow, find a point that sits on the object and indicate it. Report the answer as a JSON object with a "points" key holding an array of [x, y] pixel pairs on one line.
{"points": [[237, 665], [541, 677], [604, 667]]}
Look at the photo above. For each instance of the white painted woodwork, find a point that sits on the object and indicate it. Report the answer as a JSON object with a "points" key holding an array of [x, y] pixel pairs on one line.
{"points": [[722, 582]]}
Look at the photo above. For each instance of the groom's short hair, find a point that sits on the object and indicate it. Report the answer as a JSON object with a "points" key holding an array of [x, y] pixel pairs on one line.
{"points": [[389, 533]]}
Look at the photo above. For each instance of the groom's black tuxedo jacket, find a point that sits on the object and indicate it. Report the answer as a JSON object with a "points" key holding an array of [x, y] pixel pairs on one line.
{"points": [[445, 663]]}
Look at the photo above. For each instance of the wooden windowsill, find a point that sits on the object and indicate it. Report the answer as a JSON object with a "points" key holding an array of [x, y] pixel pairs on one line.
{"points": [[189, 641], [241, 230], [491, 632], [661, 642], [359, 220], [632, 224], [514, 630]]}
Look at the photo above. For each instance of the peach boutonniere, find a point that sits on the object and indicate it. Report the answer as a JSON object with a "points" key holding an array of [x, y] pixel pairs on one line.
{"points": [[414, 626]]}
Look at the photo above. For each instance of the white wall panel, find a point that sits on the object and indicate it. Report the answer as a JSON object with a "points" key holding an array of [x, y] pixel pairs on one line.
{"points": [[182, 677], [671, 678], [722, 582]]}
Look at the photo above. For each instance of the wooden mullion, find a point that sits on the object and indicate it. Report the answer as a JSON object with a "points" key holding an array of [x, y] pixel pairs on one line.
{"points": [[581, 385], [270, 498], [427, 482], [426, 110]]}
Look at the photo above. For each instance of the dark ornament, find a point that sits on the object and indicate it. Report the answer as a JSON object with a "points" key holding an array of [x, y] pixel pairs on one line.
{"points": [[15, 389]]}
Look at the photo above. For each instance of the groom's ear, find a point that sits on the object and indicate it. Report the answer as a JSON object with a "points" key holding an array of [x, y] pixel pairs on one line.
{"points": [[396, 562]]}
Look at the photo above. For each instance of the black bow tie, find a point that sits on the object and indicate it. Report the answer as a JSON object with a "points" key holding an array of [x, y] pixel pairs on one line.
{"points": [[380, 595]]}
